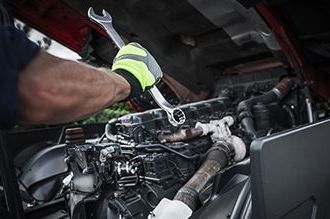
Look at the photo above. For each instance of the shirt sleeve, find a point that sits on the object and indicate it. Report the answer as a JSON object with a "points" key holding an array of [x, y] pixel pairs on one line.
{"points": [[16, 51]]}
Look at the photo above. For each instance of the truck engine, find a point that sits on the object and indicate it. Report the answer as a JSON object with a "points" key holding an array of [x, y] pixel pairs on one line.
{"points": [[141, 158]]}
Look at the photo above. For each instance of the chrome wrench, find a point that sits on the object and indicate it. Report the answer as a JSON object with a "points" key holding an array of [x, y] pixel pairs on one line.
{"points": [[175, 115]]}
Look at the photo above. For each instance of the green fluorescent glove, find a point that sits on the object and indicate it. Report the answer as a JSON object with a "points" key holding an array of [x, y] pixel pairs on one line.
{"points": [[138, 67]]}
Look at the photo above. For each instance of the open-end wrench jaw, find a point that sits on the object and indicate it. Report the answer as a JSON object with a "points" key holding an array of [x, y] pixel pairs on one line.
{"points": [[106, 18], [105, 22]]}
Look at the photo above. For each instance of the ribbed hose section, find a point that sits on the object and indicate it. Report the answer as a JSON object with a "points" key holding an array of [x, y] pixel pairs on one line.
{"points": [[215, 161]]}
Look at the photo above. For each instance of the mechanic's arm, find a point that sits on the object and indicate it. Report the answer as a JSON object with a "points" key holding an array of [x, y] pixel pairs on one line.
{"points": [[53, 90]]}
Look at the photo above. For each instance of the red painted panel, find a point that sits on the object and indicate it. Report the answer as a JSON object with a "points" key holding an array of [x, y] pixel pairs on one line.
{"points": [[55, 19], [319, 81]]}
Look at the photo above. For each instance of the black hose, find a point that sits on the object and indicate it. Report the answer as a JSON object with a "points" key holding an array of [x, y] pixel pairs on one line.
{"points": [[244, 107], [245, 114], [146, 147]]}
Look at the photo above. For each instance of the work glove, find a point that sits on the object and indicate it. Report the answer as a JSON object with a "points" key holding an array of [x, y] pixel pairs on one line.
{"points": [[138, 67]]}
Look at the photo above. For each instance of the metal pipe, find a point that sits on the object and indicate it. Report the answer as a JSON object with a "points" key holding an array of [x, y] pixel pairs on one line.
{"points": [[309, 110], [181, 135], [194, 132]]}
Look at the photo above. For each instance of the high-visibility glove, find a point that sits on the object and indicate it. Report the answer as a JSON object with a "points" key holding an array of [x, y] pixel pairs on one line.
{"points": [[138, 67]]}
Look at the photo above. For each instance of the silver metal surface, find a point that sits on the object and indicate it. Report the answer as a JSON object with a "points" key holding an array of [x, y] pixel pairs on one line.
{"points": [[105, 22], [175, 115], [309, 110]]}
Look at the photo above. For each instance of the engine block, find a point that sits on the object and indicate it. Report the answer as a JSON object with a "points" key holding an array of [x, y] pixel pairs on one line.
{"points": [[133, 167]]}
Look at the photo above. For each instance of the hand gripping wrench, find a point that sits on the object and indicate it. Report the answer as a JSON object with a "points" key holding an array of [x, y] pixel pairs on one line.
{"points": [[175, 115]]}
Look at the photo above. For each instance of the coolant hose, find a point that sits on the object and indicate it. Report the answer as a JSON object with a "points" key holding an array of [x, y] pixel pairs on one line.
{"points": [[217, 159]]}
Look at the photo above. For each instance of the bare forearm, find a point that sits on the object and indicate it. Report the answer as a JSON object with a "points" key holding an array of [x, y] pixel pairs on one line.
{"points": [[53, 90]]}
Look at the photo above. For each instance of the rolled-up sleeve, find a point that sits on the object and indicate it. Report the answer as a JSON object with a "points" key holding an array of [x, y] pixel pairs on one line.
{"points": [[16, 51]]}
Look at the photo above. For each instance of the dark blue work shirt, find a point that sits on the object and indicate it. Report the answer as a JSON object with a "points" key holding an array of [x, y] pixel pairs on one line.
{"points": [[16, 51]]}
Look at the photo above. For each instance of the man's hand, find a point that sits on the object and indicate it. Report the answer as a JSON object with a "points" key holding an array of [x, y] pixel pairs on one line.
{"points": [[138, 67]]}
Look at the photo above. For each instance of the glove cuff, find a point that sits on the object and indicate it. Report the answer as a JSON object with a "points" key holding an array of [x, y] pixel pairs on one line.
{"points": [[136, 88]]}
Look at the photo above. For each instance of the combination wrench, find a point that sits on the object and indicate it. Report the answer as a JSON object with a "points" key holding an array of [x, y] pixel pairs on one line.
{"points": [[175, 115]]}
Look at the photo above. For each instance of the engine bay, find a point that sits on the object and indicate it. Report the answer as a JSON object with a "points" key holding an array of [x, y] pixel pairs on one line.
{"points": [[236, 70], [141, 158]]}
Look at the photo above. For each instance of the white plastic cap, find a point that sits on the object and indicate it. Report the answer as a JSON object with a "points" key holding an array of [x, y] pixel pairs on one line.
{"points": [[170, 209]]}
